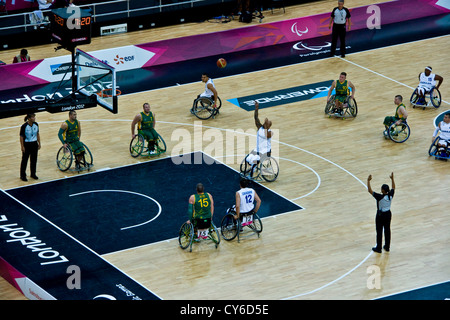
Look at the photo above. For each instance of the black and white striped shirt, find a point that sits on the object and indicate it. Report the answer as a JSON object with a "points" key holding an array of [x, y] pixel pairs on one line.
{"points": [[340, 16], [29, 133], [384, 200]]}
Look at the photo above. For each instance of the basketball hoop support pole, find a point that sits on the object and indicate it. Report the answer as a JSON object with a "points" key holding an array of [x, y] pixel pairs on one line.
{"points": [[74, 80]]}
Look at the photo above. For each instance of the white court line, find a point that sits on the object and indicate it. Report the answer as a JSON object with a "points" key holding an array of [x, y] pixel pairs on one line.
{"points": [[381, 75], [130, 192], [76, 240], [330, 283]]}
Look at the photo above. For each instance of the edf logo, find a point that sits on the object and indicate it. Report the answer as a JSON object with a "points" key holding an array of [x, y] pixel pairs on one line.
{"points": [[122, 60]]}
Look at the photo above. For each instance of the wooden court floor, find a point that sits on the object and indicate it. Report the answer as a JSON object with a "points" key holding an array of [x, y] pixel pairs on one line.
{"points": [[323, 252]]}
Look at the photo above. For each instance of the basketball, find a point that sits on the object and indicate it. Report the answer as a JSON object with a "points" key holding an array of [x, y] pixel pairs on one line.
{"points": [[221, 63]]}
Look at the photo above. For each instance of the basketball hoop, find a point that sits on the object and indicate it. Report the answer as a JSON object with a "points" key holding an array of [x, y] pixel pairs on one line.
{"points": [[107, 93]]}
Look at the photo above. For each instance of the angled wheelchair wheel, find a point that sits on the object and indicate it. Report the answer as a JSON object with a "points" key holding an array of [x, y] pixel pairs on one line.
{"points": [[219, 103], [186, 235], [245, 166], [433, 148], [229, 227], [88, 159], [161, 144], [203, 108], [330, 105], [137, 145], [256, 225], [399, 133], [352, 107], [414, 98], [269, 169], [435, 97], [64, 158], [214, 234]]}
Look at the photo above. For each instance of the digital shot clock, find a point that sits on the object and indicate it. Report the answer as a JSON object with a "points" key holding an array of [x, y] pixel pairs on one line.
{"points": [[71, 26]]}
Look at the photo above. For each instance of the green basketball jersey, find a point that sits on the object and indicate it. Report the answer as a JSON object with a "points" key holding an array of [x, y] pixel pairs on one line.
{"points": [[398, 116], [341, 88], [146, 121], [202, 206], [71, 133]]}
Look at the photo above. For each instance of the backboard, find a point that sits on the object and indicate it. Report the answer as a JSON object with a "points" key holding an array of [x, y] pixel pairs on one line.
{"points": [[97, 77]]}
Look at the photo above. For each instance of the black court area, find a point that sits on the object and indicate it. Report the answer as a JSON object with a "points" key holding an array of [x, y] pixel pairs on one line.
{"points": [[139, 204]]}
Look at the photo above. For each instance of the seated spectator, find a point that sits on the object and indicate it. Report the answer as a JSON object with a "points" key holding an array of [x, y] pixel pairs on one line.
{"points": [[22, 57], [44, 4]]}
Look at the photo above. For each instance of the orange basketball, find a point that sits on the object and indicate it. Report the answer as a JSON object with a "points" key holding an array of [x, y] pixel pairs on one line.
{"points": [[221, 63]]}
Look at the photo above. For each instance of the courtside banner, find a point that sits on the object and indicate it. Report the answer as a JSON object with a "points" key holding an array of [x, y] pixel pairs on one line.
{"points": [[295, 31], [50, 264], [285, 96]]}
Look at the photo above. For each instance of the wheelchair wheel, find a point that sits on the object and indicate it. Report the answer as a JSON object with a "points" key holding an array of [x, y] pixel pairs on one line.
{"points": [[399, 133], [186, 235], [256, 225], [87, 160], [435, 97], [214, 234], [269, 169], [203, 108], [433, 148], [414, 98], [229, 227], [330, 105], [161, 144], [64, 158], [245, 166], [137, 145], [352, 107]]}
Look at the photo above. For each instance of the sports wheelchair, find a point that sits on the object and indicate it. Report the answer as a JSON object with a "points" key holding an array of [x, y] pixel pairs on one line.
{"points": [[431, 99], [397, 133], [65, 157], [189, 233], [266, 168], [231, 227], [349, 108], [137, 146], [439, 154], [203, 107]]}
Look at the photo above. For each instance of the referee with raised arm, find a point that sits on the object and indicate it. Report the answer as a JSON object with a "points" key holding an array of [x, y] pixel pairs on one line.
{"points": [[340, 17], [384, 215]]}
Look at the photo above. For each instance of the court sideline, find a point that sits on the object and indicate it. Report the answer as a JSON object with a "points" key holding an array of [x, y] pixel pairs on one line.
{"points": [[322, 243]]}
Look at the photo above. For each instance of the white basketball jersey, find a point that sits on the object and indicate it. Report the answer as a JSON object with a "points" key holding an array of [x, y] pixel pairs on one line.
{"points": [[247, 196], [427, 82], [445, 130], [208, 92], [263, 144]]}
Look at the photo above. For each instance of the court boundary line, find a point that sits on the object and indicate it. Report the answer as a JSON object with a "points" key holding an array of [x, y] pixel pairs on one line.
{"points": [[129, 192], [417, 288], [77, 241], [294, 64], [331, 282], [381, 75]]}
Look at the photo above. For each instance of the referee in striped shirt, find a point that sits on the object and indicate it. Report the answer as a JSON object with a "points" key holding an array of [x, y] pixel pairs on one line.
{"points": [[384, 214], [30, 143], [340, 17]]}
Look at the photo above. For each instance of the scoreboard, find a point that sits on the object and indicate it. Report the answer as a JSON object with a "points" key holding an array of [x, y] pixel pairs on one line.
{"points": [[71, 26]]}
